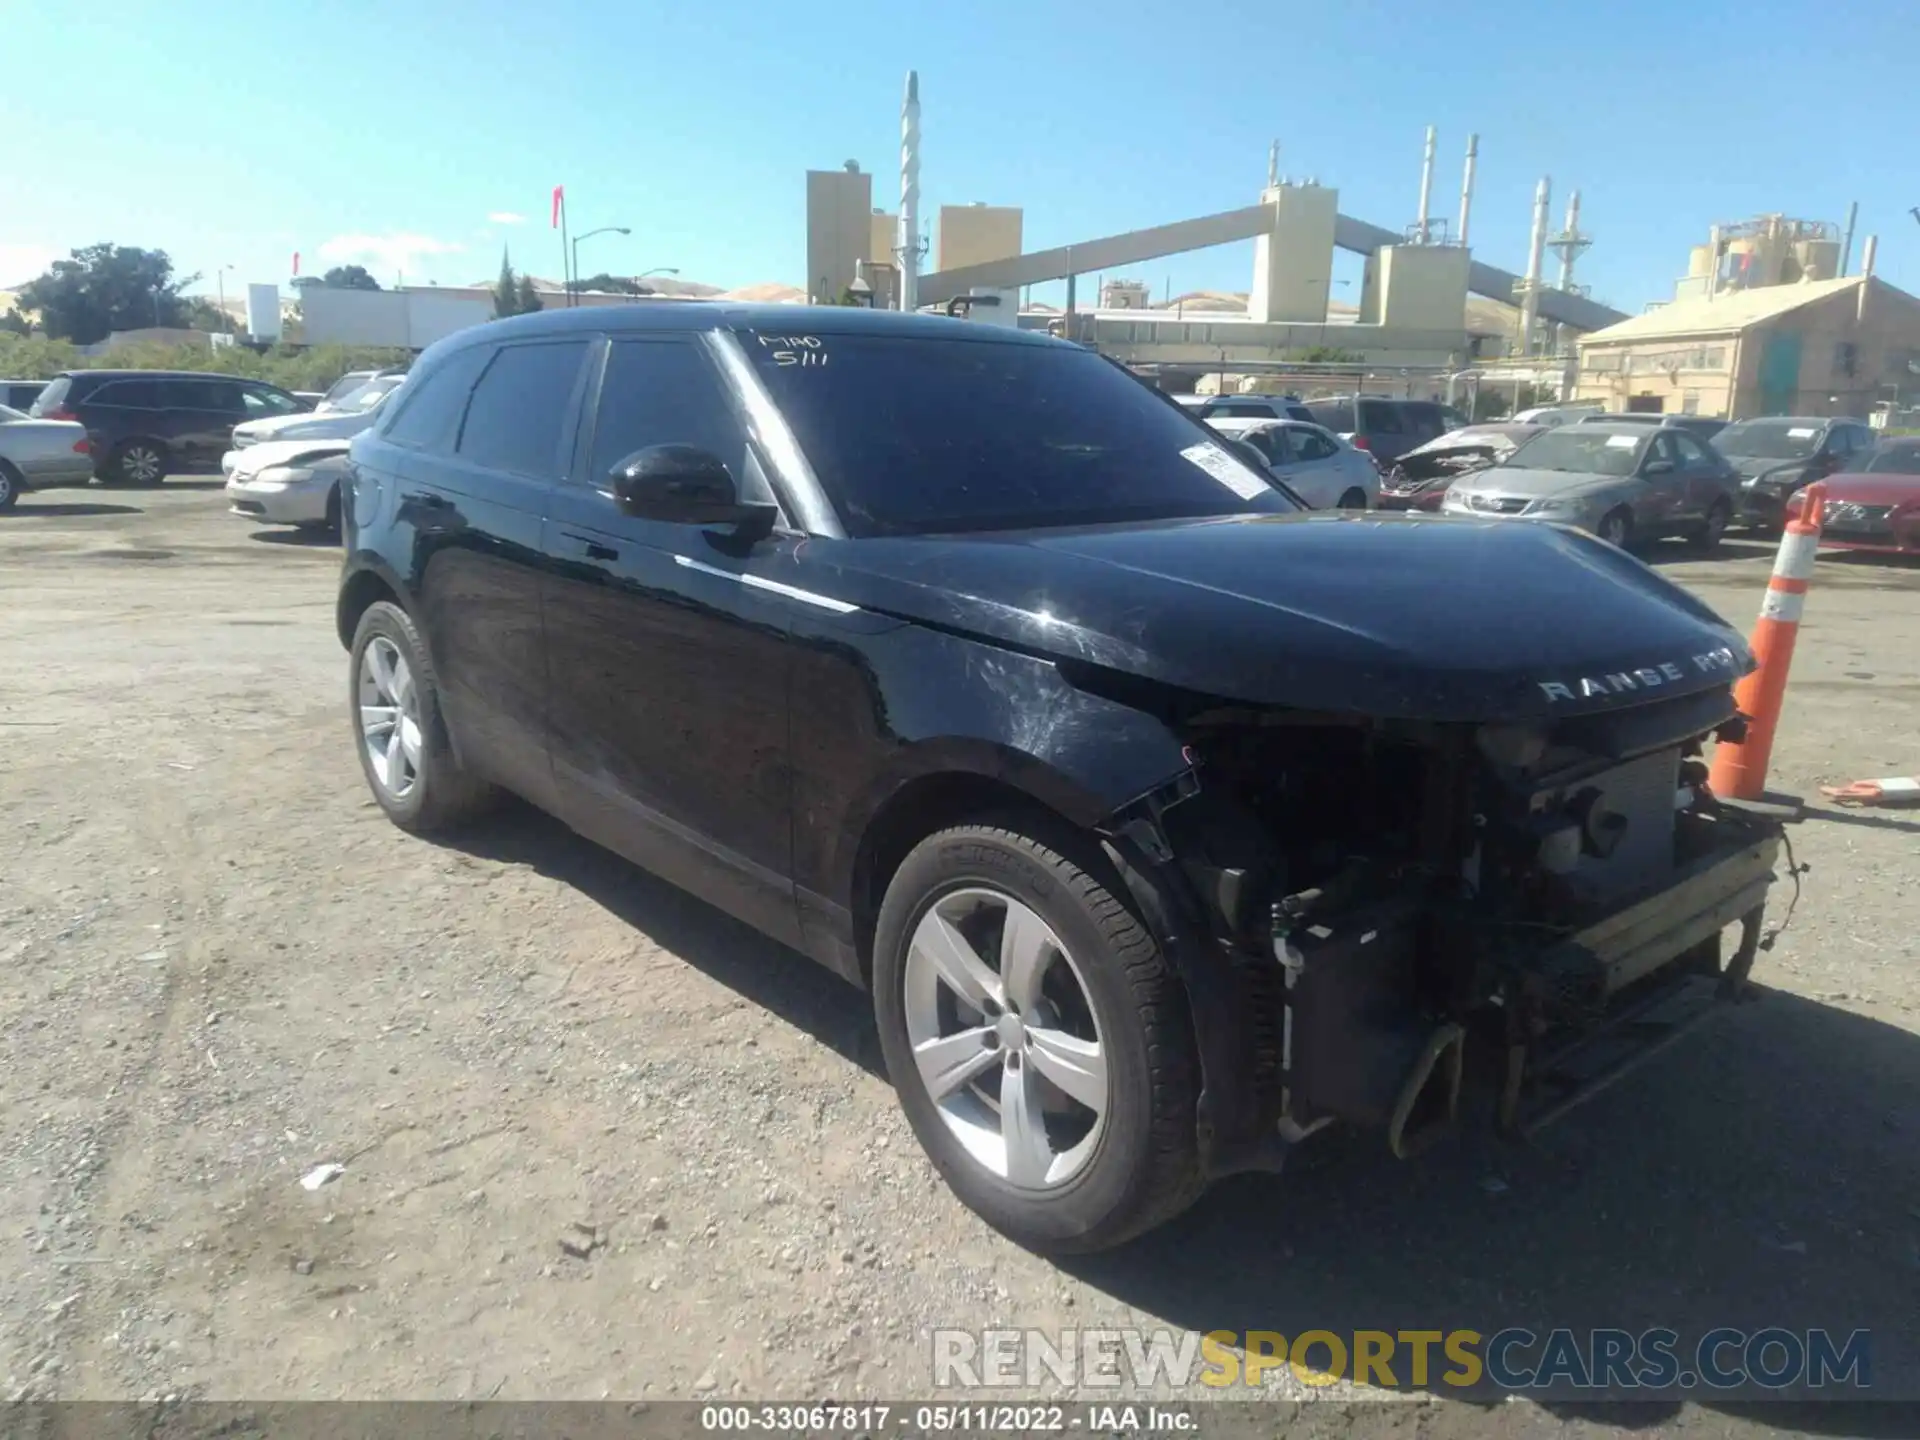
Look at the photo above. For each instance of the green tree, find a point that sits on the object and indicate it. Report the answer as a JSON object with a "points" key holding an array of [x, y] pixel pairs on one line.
{"points": [[526, 297], [349, 277], [14, 323], [104, 288], [506, 295]]}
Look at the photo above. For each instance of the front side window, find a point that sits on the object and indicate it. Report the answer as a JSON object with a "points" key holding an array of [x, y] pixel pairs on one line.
{"points": [[210, 394], [913, 435], [1895, 457], [1579, 450], [430, 411], [1692, 452], [1377, 419], [519, 408], [662, 392], [1335, 415], [1313, 444]]}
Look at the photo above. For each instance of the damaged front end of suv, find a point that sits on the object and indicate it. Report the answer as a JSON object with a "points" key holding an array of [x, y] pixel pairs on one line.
{"points": [[1374, 916]]}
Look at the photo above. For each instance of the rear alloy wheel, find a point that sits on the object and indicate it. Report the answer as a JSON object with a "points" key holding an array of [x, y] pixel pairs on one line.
{"points": [[1616, 529], [139, 462], [404, 751], [1354, 499], [1037, 1038], [1714, 528]]}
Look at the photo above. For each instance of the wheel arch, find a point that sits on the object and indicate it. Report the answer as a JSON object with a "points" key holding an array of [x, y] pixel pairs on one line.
{"points": [[369, 580]]}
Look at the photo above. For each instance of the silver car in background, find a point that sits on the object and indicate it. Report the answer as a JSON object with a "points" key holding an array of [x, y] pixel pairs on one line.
{"points": [[1313, 462], [1624, 483], [38, 454], [288, 482]]}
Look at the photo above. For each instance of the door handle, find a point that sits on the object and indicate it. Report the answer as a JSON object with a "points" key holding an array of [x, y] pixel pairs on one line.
{"points": [[594, 549]]}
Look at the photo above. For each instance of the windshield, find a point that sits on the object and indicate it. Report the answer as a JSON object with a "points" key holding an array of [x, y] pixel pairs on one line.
{"points": [[1769, 439], [1895, 458], [914, 436], [368, 395], [1580, 451]]}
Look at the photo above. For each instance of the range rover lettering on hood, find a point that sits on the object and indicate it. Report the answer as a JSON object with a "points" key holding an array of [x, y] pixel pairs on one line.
{"points": [[1623, 682]]}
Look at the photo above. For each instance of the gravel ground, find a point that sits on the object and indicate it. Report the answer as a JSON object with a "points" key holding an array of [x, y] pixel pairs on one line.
{"points": [[601, 1140]]}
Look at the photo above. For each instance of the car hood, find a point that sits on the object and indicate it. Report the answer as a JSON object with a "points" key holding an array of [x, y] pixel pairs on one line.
{"points": [[1873, 489], [1755, 467], [1516, 480], [256, 458], [1377, 614], [327, 424]]}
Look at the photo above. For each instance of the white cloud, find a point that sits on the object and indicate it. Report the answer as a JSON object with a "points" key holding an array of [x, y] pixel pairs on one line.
{"points": [[505, 217], [386, 254], [21, 263]]}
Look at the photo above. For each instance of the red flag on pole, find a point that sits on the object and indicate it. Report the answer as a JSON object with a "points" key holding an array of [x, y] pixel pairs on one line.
{"points": [[296, 262], [559, 199]]}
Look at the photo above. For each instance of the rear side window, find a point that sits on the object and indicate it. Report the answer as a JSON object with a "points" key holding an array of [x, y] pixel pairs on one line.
{"points": [[128, 394], [1380, 419], [52, 397], [1240, 407], [520, 406], [219, 395], [430, 411], [662, 392], [1335, 415]]}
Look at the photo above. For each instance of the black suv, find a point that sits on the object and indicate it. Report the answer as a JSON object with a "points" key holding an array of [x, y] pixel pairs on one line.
{"points": [[1777, 455], [1385, 428], [144, 424], [1166, 821]]}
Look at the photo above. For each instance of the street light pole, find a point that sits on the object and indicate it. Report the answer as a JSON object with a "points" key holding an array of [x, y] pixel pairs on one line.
{"points": [[573, 290], [220, 280]]}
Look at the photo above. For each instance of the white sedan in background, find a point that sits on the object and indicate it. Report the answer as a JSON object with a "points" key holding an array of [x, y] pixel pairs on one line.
{"points": [[338, 419], [288, 482], [1313, 462]]}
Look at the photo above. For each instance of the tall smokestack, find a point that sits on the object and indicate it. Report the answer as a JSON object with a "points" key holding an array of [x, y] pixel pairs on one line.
{"points": [[1536, 252], [1426, 189], [1273, 164], [1846, 245], [1466, 186], [1867, 252], [1573, 230], [910, 194]]}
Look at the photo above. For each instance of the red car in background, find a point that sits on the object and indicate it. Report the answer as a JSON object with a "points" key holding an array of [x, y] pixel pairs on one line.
{"points": [[1876, 506]]}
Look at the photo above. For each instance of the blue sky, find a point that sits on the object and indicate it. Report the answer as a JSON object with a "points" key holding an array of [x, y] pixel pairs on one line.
{"points": [[400, 134]]}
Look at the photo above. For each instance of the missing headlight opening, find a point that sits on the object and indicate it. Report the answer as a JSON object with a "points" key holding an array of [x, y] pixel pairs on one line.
{"points": [[1383, 915]]}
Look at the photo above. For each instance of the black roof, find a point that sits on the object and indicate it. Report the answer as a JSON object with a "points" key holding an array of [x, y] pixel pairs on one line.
{"points": [[696, 315]]}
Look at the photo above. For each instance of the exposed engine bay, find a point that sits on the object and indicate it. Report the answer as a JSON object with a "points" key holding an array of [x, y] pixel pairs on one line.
{"points": [[1395, 913]]}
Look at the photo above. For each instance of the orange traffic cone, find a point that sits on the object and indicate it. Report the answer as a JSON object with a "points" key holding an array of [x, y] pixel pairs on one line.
{"points": [[1740, 769]]}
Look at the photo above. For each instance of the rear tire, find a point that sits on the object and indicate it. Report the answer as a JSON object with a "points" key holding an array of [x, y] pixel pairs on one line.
{"points": [[1096, 1184], [138, 462], [1354, 499], [10, 486], [399, 732]]}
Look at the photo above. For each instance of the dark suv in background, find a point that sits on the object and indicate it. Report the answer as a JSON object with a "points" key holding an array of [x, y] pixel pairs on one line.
{"points": [[145, 424], [1777, 455], [1386, 429]]}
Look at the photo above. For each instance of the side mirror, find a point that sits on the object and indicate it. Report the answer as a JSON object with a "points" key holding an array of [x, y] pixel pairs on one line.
{"points": [[683, 485], [1656, 467]]}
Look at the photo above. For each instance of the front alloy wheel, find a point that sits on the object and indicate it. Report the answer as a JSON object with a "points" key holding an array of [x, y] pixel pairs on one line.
{"points": [[1007, 1047], [1038, 1038]]}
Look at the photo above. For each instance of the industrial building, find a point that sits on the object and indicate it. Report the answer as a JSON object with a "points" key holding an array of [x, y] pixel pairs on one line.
{"points": [[1765, 322]]}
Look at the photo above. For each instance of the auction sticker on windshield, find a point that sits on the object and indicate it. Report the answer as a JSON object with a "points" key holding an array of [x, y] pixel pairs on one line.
{"points": [[1800, 432], [1228, 471], [1622, 442]]}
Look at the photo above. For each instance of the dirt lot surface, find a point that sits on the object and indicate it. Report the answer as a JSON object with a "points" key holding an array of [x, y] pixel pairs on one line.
{"points": [[220, 967]]}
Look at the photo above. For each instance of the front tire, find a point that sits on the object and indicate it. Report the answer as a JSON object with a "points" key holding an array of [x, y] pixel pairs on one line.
{"points": [[10, 486], [399, 731], [1714, 528], [1616, 528], [1037, 1037]]}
